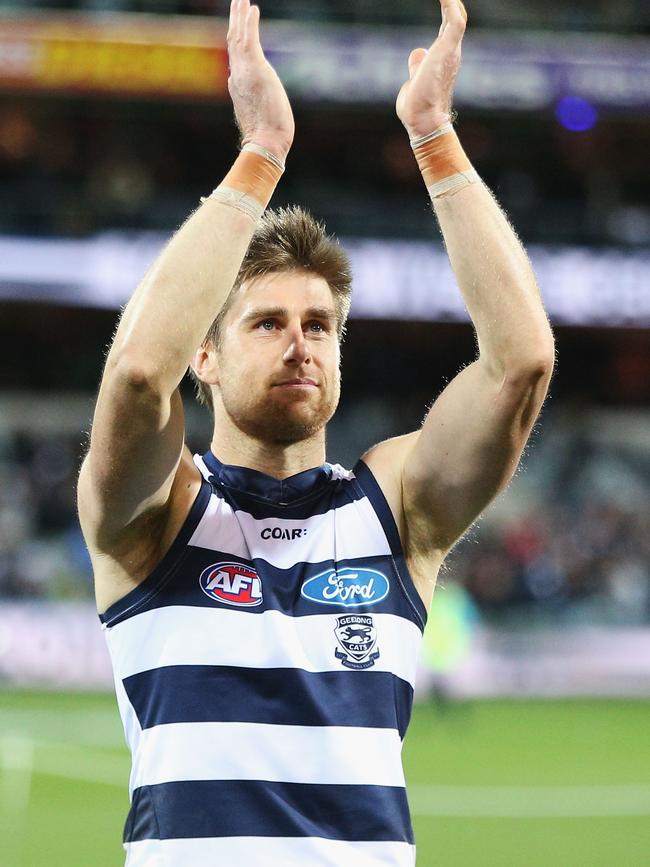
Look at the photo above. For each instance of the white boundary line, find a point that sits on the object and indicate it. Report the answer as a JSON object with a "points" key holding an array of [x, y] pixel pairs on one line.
{"points": [[67, 726], [527, 802], [104, 778], [489, 802], [61, 760], [17, 765]]}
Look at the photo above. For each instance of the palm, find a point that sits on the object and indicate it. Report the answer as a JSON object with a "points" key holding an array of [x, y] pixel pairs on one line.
{"points": [[424, 101], [262, 108]]}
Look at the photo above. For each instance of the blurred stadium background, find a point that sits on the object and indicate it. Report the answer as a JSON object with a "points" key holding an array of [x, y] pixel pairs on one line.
{"points": [[530, 742]]}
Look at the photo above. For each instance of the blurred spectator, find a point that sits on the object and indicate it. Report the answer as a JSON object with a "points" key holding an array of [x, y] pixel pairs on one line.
{"points": [[557, 556], [41, 548], [125, 166], [541, 14], [580, 552]]}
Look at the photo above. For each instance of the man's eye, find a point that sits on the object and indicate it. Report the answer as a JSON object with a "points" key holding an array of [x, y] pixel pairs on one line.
{"points": [[317, 326], [267, 324]]}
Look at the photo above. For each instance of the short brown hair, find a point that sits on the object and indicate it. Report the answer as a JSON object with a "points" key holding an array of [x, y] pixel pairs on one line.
{"points": [[287, 239]]}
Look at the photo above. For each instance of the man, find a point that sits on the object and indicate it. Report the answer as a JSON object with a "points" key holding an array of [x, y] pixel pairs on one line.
{"points": [[263, 608]]}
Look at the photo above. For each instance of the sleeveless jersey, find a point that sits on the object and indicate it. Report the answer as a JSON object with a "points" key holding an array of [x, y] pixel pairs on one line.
{"points": [[264, 674]]}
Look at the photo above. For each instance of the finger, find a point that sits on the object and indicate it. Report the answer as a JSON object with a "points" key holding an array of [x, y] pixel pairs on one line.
{"points": [[415, 59], [240, 19], [231, 19], [252, 38], [453, 6], [233, 28], [454, 17]]}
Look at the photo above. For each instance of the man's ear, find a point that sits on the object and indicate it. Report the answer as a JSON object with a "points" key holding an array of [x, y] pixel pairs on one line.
{"points": [[205, 364]]}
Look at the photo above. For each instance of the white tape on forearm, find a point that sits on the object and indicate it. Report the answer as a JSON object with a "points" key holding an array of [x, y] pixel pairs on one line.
{"points": [[453, 182], [236, 199]]}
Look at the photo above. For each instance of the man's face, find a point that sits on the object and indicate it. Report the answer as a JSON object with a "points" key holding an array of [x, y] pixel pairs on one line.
{"points": [[278, 364]]}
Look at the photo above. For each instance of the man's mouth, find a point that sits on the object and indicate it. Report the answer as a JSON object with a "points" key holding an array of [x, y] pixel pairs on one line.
{"points": [[296, 383]]}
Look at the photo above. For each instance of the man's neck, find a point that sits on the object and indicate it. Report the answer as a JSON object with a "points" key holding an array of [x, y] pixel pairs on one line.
{"points": [[277, 460]]}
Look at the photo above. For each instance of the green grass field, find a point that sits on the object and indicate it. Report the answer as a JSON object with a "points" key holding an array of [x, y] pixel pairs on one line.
{"points": [[491, 783]]}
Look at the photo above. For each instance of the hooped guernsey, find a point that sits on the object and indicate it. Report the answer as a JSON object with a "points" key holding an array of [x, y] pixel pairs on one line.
{"points": [[265, 672]]}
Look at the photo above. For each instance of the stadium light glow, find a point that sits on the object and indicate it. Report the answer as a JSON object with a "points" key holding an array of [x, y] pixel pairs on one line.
{"points": [[576, 114]]}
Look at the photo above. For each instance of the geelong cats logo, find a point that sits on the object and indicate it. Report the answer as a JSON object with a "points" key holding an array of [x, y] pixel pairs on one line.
{"points": [[232, 583], [357, 635]]}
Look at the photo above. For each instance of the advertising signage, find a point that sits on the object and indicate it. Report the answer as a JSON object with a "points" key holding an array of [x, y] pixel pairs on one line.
{"points": [[145, 57], [153, 56]]}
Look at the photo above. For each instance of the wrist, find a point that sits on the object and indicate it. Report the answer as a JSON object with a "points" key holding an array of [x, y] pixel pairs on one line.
{"points": [[250, 183], [422, 126], [272, 143], [444, 164]]}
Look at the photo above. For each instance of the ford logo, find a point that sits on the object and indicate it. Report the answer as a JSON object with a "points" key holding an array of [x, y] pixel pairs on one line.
{"points": [[347, 587]]}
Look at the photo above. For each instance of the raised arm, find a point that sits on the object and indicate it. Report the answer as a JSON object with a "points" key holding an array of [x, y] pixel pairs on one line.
{"points": [[474, 434], [137, 437]]}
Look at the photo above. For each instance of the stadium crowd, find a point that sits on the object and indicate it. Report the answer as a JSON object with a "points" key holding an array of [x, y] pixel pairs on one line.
{"points": [[587, 562], [72, 166], [572, 556], [579, 15], [133, 167]]}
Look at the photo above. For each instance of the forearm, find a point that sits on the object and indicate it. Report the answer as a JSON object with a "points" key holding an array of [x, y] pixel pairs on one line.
{"points": [[490, 265], [496, 279], [171, 310]]}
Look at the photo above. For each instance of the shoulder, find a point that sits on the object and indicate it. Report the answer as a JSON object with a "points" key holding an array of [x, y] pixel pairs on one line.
{"points": [[386, 461], [391, 464], [124, 561]]}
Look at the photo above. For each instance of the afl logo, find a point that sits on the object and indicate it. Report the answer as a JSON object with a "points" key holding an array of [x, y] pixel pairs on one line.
{"points": [[232, 583]]}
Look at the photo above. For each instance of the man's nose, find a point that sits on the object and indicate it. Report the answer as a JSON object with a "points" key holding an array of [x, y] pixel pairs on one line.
{"points": [[297, 351]]}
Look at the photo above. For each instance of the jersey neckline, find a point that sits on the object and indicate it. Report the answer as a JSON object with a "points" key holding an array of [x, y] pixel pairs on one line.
{"points": [[258, 484]]}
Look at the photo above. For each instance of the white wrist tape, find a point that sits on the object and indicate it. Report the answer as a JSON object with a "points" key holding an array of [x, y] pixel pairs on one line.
{"points": [[423, 139], [236, 199], [443, 162], [262, 152], [249, 185]]}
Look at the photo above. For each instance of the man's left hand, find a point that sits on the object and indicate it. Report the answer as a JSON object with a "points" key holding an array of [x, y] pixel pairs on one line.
{"points": [[424, 101]]}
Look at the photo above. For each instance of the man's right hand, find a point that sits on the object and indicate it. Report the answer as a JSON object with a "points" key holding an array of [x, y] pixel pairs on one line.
{"points": [[262, 108]]}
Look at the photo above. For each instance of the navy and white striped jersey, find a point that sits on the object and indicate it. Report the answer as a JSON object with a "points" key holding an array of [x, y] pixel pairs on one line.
{"points": [[265, 672]]}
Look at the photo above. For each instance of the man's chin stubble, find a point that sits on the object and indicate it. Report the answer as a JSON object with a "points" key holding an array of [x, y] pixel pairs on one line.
{"points": [[278, 426], [280, 422]]}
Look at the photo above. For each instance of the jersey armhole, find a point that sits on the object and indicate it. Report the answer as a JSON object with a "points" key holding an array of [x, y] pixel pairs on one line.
{"points": [[370, 486], [130, 604]]}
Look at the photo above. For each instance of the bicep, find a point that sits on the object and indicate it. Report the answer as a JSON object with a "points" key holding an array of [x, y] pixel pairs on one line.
{"points": [[136, 445], [469, 447]]}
